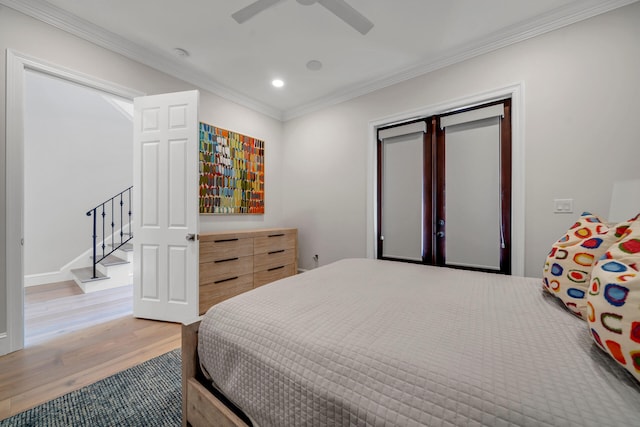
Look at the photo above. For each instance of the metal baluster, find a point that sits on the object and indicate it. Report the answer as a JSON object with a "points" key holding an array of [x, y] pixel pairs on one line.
{"points": [[113, 242], [130, 232], [103, 232], [121, 222]]}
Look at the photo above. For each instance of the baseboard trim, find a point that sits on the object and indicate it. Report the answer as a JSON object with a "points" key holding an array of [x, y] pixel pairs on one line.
{"points": [[44, 278]]}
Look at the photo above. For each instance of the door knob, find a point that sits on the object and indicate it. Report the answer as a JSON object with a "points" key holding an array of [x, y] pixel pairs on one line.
{"points": [[440, 234], [191, 237]]}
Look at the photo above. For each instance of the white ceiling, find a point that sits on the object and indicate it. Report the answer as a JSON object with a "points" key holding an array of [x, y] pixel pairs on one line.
{"points": [[238, 61]]}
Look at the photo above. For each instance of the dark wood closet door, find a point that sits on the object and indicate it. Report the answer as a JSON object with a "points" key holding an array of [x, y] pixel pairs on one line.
{"points": [[405, 194], [473, 193]]}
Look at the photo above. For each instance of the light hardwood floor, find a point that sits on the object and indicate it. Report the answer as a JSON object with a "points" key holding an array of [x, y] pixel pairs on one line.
{"points": [[73, 340]]}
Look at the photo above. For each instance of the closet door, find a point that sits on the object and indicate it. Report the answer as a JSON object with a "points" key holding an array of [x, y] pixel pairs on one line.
{"points": [[474, 188], [401, 195]]}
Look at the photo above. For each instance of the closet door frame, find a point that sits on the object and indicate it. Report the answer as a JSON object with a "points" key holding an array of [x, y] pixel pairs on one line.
{"points": [[514, 91]]}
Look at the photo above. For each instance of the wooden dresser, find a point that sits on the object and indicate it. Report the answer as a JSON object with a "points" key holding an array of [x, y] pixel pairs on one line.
{"points": [[232, 262]]}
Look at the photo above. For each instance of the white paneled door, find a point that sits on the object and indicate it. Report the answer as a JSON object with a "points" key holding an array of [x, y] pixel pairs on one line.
{"points": [[165, 278]]}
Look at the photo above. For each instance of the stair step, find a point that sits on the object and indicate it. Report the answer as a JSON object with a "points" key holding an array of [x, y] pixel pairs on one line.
{"points": [[127, 247], [113, 260], [84, 275]]}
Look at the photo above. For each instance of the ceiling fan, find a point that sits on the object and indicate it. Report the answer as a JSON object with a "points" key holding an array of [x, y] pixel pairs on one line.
{"points": [[340, 8]]}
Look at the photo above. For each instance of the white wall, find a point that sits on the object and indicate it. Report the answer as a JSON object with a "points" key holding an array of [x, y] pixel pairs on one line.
{"points": [[36, 39], [581, 127], [78, 148]]}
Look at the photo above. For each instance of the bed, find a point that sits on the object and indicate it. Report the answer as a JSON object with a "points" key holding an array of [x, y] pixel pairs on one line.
{"points": [[368, 342]]}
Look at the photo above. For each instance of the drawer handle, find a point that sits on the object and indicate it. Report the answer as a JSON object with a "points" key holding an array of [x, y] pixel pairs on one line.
{"points": [[226, 260], [276, 268], [226, 240], [225, 280], [276, 252], [276, 235]]}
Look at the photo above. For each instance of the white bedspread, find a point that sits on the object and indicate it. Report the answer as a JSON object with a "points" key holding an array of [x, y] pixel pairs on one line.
{"points": [[364, 342]]}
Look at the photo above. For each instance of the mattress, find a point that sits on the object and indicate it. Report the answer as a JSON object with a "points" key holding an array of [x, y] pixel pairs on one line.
{"points": [[376, 343]]}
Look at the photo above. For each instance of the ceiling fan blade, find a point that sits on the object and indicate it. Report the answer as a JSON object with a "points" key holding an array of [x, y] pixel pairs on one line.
{"points": [[253, 9], [348, 14]]}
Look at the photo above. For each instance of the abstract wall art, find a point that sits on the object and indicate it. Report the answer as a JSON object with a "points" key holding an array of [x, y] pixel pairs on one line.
{"points": [[231, 172]]}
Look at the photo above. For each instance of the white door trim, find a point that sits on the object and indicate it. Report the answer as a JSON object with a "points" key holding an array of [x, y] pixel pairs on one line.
{"points": [[17, 64], [516, 93]]}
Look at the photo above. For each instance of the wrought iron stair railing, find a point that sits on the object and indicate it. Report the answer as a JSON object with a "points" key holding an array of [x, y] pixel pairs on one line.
{"points": [[112, 223]]}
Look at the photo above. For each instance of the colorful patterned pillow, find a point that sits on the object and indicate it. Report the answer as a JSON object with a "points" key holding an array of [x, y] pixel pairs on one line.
{"points": [[567, 269], [613, 301]]}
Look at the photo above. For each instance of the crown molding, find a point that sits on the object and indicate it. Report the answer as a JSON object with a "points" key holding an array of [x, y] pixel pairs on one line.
{"points": [[556, 19], [49, 14], [574, 12]]}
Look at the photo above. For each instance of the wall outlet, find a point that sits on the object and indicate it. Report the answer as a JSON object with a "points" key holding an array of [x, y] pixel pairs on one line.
{"points": [[562, 205]]}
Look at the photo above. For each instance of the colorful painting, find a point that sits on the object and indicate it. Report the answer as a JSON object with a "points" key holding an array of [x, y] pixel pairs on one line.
{"points": [[231, 172]]}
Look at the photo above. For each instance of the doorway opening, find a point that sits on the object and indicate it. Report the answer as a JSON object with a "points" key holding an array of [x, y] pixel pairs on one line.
{"points": [[77, 151], [18, 66]]}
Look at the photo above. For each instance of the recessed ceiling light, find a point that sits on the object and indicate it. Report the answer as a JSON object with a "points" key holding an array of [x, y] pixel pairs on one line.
{"points": [[178, 51], [314, 65], [277, 83]]}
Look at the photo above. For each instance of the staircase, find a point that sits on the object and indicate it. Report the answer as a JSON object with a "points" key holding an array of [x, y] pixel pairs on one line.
{"points": [[111, 262], [113, 271]]}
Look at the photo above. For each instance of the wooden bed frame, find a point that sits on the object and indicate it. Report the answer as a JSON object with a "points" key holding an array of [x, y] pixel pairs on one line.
{"points": [[200, 407]]}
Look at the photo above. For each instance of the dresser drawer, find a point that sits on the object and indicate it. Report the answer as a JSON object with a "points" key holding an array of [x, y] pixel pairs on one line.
{"points": [[213, 293], [277, 240], [221, 248], [267, 276], [224, 269], [276, 258]]}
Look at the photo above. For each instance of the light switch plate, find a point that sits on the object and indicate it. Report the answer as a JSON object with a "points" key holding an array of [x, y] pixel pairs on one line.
{"points": [[563, 205]]}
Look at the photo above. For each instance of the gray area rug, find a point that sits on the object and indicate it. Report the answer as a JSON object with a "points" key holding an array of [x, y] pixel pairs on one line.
{"points": [[148, 394]]}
